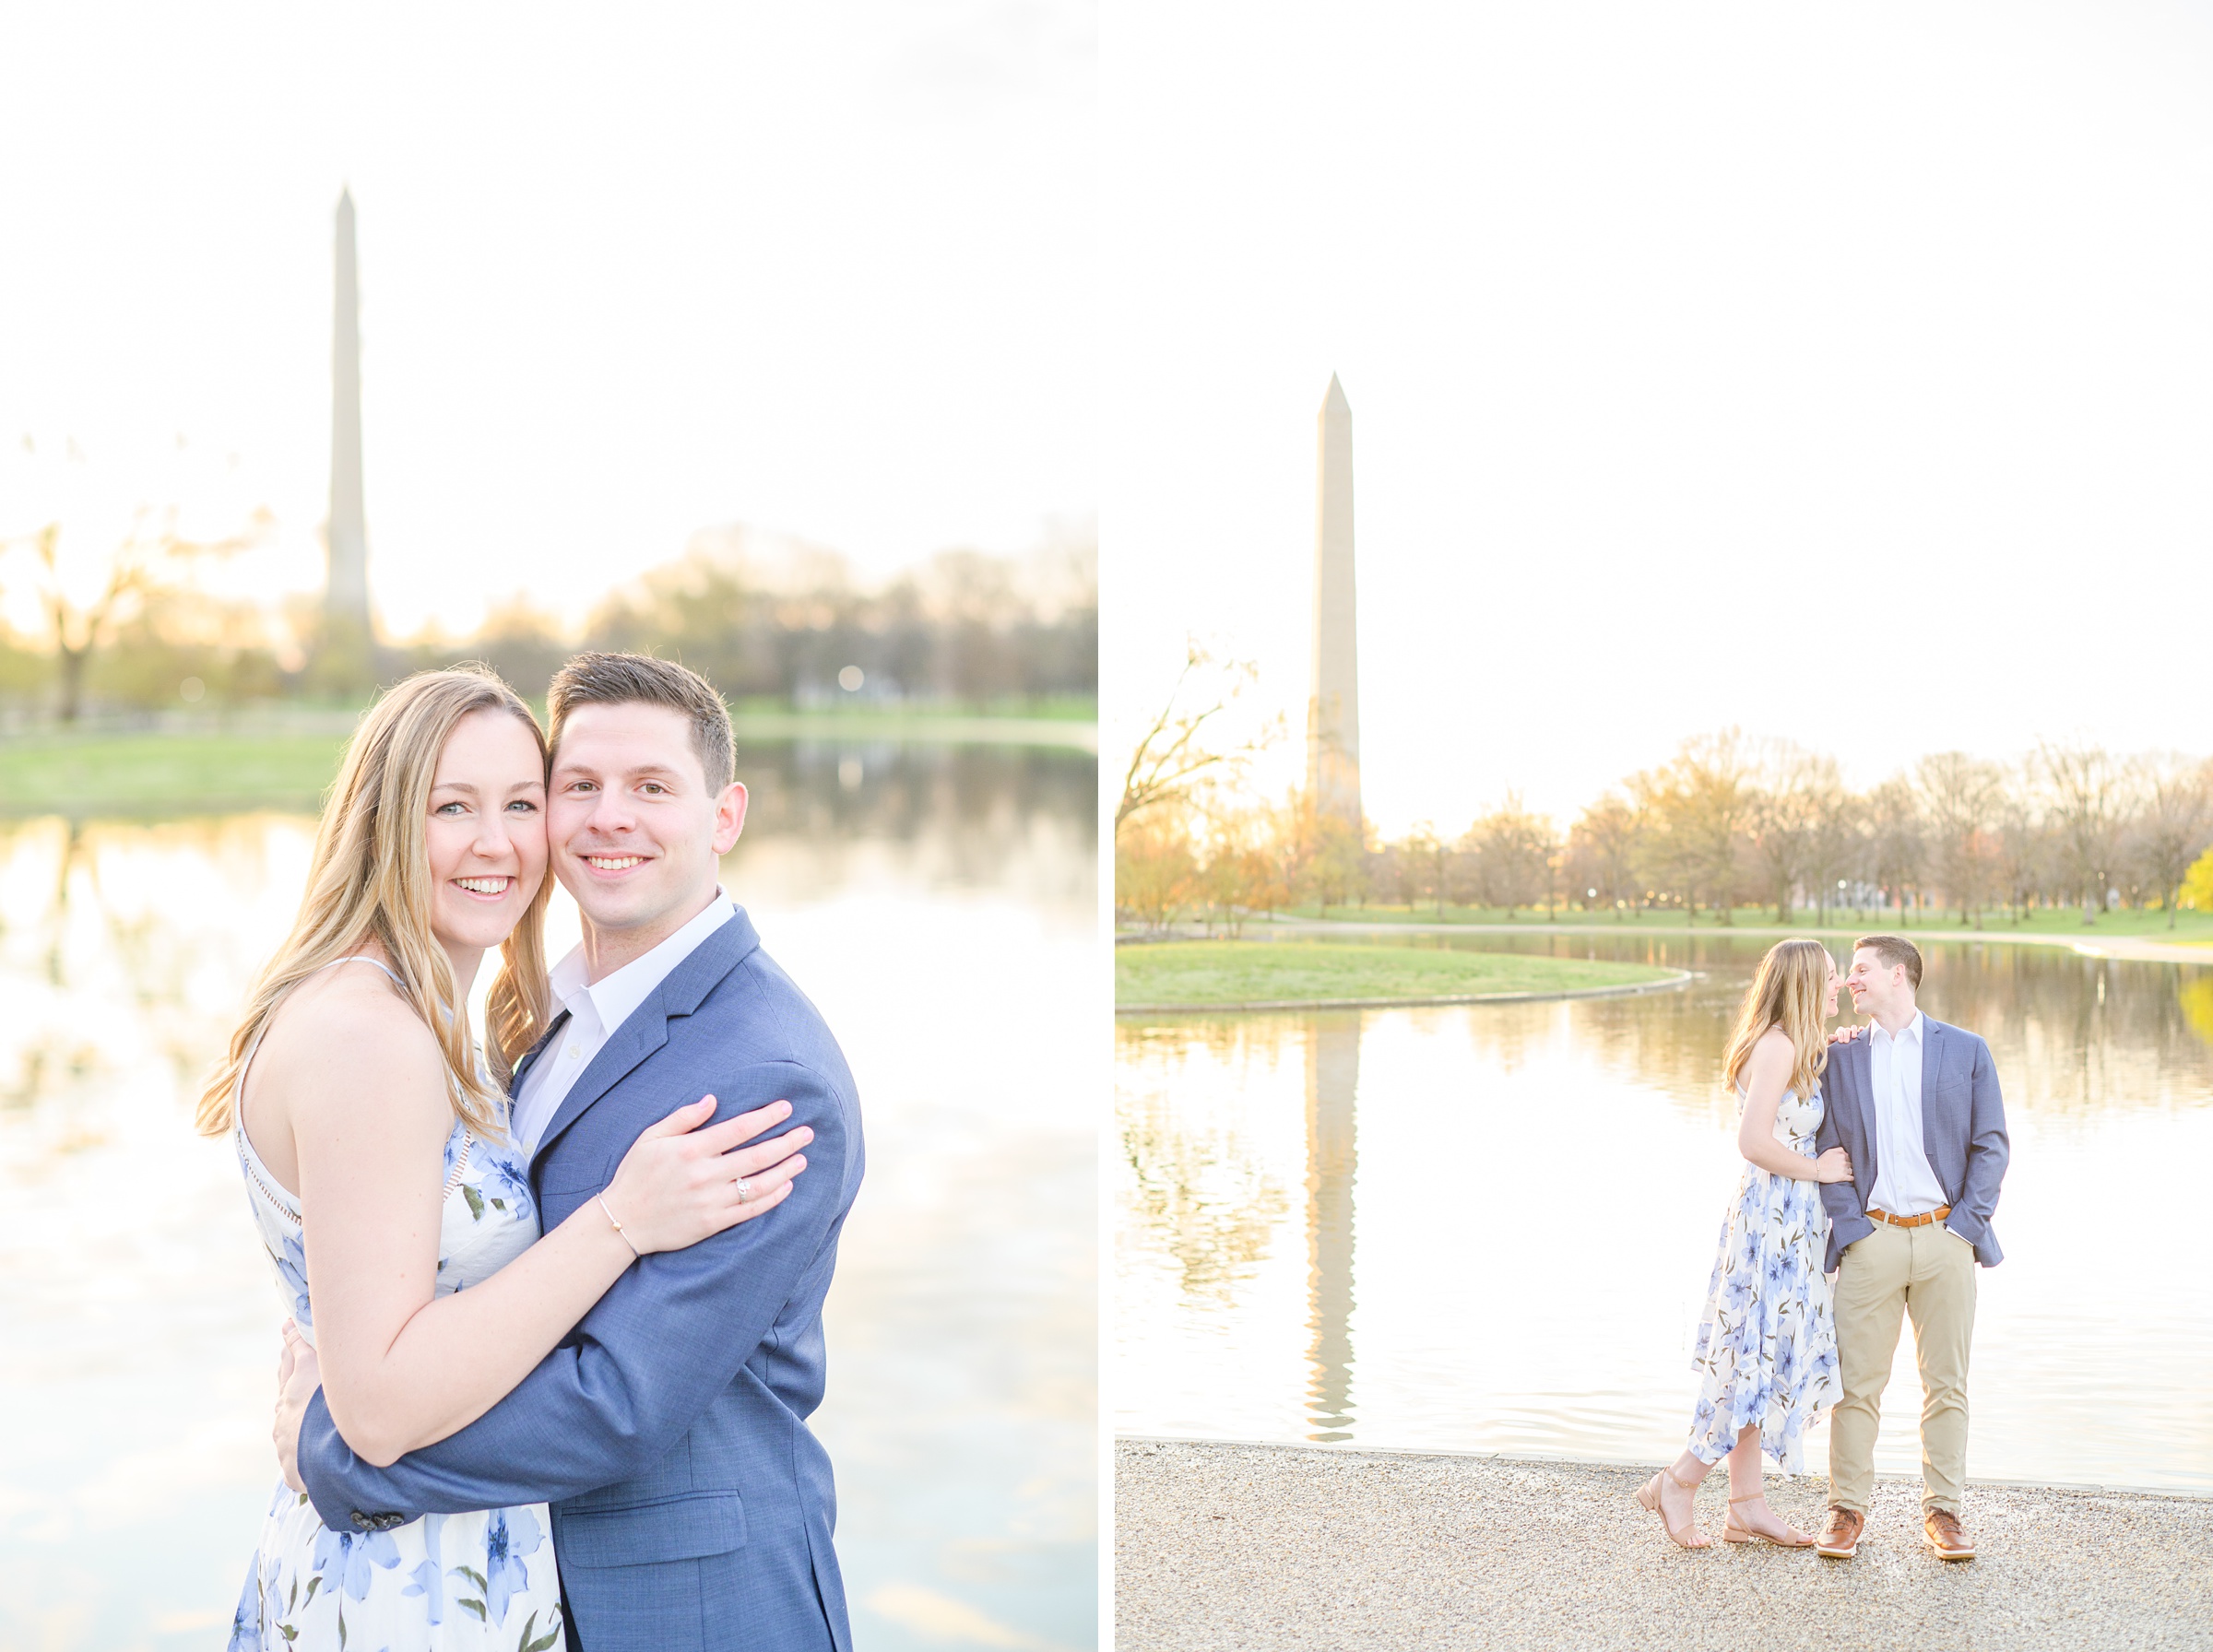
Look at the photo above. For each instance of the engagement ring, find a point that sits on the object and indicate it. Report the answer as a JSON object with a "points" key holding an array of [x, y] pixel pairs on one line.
{"points": [[745, 1190]]}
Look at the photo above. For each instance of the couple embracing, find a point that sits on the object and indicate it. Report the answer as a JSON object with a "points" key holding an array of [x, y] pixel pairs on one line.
{"points": [[1872, 1166], [556, 1290]]}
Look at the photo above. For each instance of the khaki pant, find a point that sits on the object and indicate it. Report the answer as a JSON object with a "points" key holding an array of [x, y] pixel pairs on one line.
{"points": [[1930, 1273]]}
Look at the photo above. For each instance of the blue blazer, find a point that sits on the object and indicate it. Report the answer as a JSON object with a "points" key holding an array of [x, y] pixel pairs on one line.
{"points": [[1962, 1131], [692, 1507]]}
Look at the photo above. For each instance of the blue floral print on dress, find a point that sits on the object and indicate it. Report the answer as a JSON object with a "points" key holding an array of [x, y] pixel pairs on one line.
{"points": [[510, 1538], [292, 1267], [449, 1582], [1767, 1343], [506, 1185], [356, 1552]]}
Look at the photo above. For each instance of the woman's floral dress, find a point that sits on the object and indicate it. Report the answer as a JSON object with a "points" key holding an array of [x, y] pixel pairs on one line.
{"points": [[444, 1583], [1767, 1349]]}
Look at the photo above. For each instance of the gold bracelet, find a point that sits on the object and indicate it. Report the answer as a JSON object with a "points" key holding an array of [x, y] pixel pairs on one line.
{"points": [[617, 1226]]}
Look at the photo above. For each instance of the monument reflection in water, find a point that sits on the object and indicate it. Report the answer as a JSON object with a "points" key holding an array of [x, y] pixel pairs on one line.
{"points": [[940, 903], [1333, 1155], [1509, 1214]]}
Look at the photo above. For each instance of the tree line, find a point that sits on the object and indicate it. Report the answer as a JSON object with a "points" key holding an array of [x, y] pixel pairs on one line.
{"points": [[1723, 824], [130, 631]]}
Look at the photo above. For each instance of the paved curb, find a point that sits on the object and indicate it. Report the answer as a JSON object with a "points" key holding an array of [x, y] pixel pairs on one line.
{"points": [[1643, 1469], [1240, 1547]]}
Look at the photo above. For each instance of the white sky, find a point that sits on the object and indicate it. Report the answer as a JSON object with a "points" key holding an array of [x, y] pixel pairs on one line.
{"points": [[1696, 356], [626, 273]]}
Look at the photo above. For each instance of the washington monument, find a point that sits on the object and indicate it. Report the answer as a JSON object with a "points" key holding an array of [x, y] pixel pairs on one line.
{"points": [[1333, 712], [346, 594]]}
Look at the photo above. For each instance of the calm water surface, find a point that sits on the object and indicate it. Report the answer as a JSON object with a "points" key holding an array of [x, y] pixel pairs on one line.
{"points": [[1490, 1227], [938, 903]]}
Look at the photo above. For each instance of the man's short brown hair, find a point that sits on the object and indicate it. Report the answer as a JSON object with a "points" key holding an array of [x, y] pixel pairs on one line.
{"points": [[640, 679], [1893, 950]]}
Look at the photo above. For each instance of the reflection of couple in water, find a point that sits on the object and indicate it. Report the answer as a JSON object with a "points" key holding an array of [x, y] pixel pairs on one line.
{"points": [[1902, 1133]]}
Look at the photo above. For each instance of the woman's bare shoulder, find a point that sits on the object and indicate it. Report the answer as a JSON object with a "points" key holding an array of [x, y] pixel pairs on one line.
{"points": [[1772, 1052], [346, 1032]]}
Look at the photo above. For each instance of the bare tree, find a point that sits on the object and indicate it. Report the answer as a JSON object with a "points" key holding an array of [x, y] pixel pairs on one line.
{"points": [[1234, 873], [1335, 867], [1838, 848], [2019, 837], [1700, 806], [1430, 862], [2086, 804], [1793, 792], [1960, 796], [1156, 872], [84, 617], [1602, 848], [1513, 851], [1173, 757], [1897, 849], [2175, 825]]}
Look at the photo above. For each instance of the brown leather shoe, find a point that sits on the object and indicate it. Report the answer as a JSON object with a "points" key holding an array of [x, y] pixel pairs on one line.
{"points": [[1840, 1536], [1946, 1536]]}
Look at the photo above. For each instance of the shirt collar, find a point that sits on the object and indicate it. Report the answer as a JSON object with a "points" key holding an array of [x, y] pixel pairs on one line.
{"points": [[567, 978], [613, 998], [1909, 1033]]}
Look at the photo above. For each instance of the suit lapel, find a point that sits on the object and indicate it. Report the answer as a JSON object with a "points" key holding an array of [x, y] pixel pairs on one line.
{"points": [[522, 1067], [1863, 1070], [636, 1038], [1932, 1068], [646, 1028]]}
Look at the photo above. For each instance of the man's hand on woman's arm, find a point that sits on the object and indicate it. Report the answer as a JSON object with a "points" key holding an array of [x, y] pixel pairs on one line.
{"points": [[643, 1364]]}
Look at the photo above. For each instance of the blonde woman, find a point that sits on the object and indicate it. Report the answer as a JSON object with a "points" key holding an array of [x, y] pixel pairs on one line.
{"points": [[373, 1137], [1767, 1350]]}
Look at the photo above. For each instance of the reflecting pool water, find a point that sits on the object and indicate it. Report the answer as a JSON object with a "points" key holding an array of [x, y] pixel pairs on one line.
{"points": [[937, 903], [1490, 1227]]}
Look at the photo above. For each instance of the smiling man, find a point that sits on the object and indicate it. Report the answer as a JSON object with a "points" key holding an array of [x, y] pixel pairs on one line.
{"points": [[1916, 1105], [691, 1505]]}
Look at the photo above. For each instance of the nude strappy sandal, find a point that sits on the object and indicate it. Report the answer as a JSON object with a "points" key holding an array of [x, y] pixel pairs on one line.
{"points": [[1648, 1497], [1734, 1533]]}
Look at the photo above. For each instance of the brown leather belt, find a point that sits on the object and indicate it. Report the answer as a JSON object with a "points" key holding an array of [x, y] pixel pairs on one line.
{"points": [[1939, 1214]]}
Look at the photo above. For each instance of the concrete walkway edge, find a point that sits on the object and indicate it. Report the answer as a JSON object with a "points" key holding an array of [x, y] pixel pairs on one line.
{"points": [[1223, 1547]]}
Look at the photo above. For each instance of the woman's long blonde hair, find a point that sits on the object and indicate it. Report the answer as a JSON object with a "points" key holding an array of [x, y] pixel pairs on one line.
{"points": [[1790, 992], [370, 878]]}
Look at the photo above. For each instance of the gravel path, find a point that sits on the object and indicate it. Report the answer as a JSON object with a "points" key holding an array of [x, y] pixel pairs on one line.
{"points": [[1242, 1546]]}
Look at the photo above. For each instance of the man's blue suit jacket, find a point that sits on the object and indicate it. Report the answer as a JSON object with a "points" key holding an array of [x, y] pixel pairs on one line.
{"points": [[692, 1507], [1962, 1131]]}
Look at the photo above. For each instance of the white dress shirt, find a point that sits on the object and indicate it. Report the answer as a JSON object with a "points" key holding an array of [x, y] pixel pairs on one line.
{"points": [[596, 1010], [1904, 1185]]}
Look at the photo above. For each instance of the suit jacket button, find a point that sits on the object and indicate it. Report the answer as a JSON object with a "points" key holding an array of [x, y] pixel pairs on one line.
{"points": [[362, 1522]]}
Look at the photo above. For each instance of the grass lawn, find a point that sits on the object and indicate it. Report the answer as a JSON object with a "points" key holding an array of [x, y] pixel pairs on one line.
{"points": [[1938, 926], [1055, 726], [1050, 708], [1241, 972], [286, 765], [161, 774]]}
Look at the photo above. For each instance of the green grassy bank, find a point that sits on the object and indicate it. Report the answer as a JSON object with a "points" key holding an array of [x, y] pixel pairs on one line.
{"points": [[1239, 971], [1938, 926], [211, 768], [148, 773], [862, 723]]}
